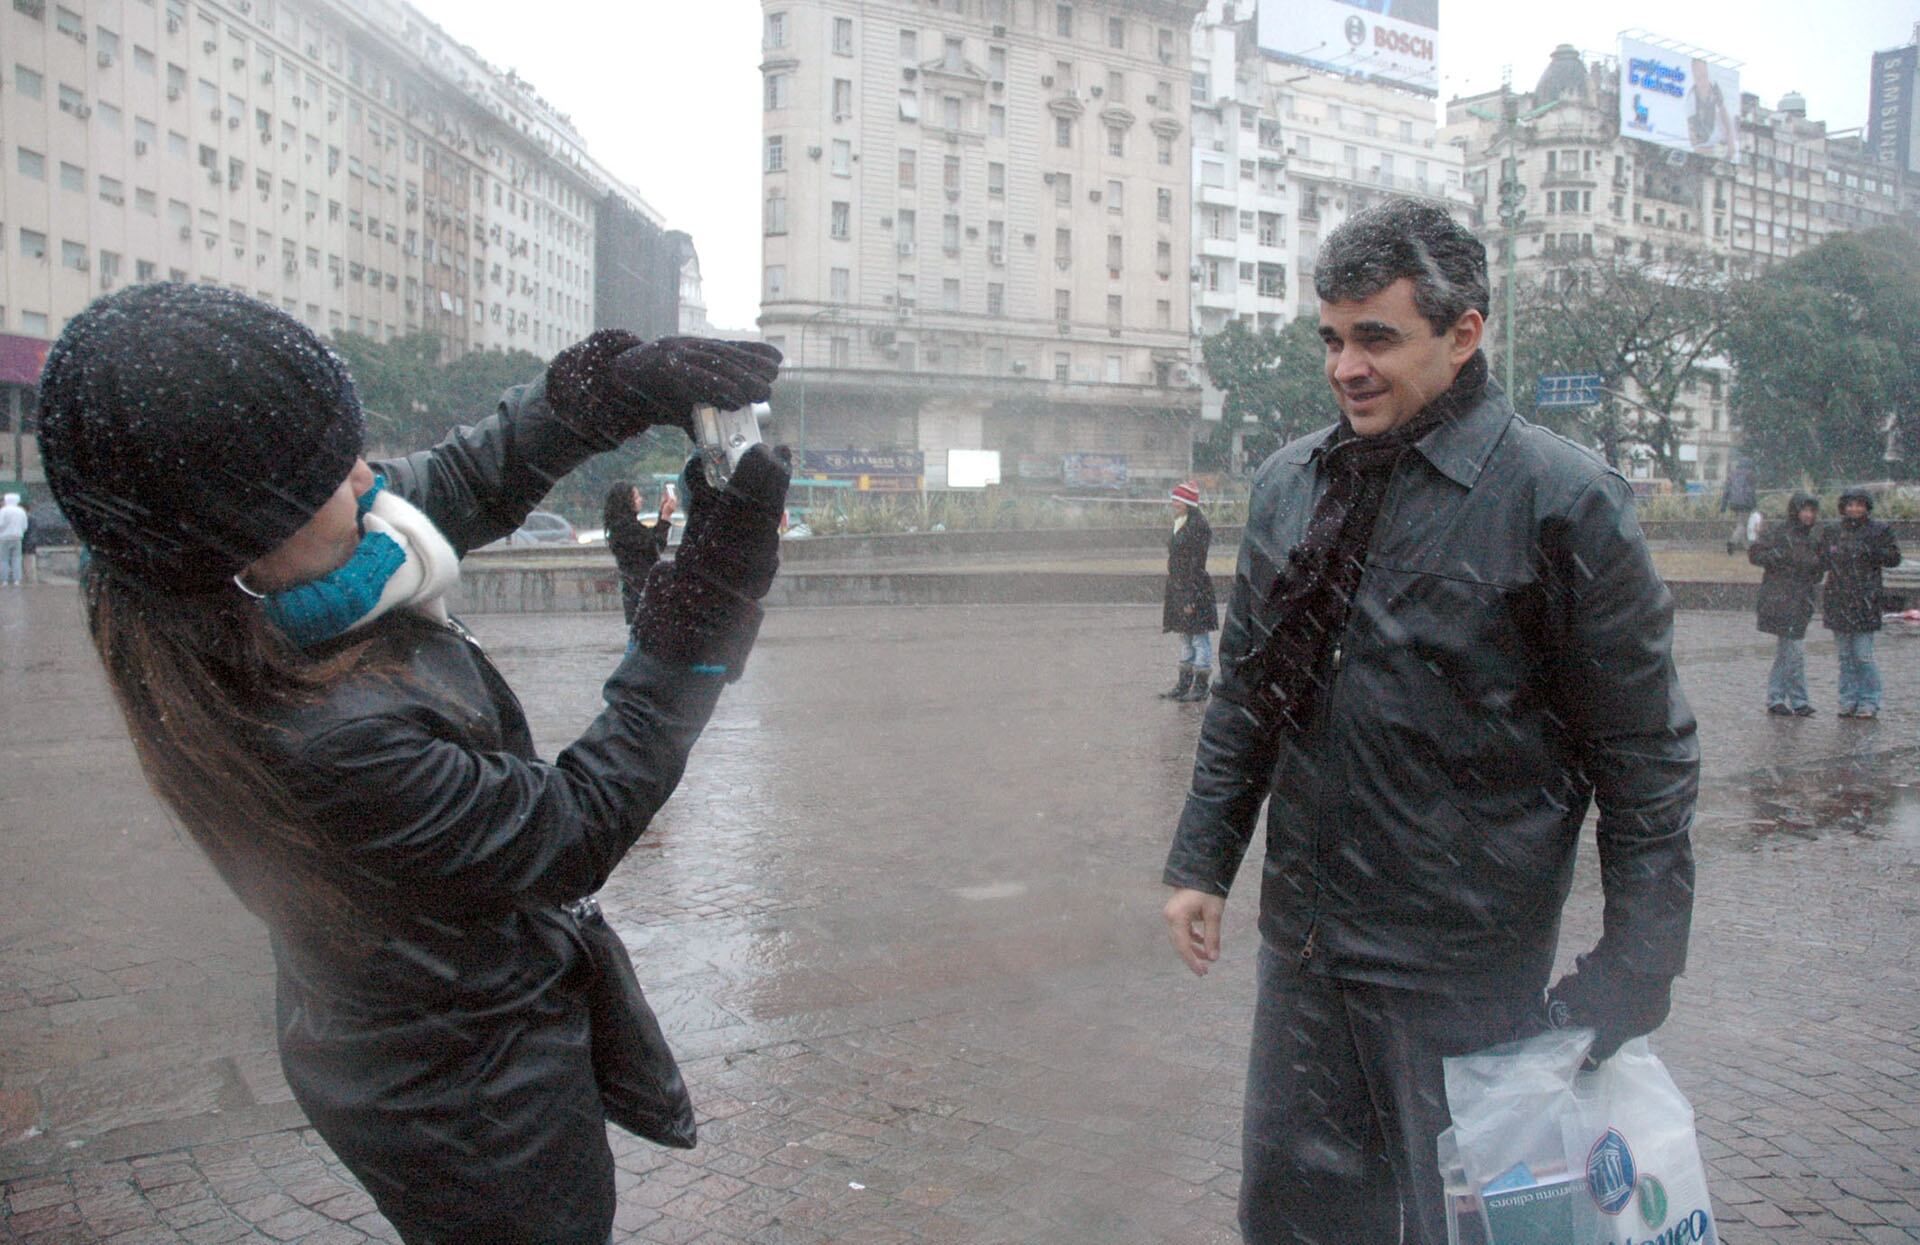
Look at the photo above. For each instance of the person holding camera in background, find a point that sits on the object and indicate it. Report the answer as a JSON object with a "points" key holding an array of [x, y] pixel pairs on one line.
{"points": [[271, 612]]}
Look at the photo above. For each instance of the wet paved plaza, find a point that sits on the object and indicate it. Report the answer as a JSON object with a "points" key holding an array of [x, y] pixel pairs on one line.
{"points": [[902, 923]]}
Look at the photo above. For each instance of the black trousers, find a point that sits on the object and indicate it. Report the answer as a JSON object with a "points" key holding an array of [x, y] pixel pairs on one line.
{"points": [[1345, 1097]]}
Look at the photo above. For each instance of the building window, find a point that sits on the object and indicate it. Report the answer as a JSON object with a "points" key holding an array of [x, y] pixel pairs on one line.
{"points": [[776, 30], [996, 121], [776, 153], [1062, 365], [1063, 20], [1162, 314], [1117, 33], [950, 233], [73, 177], [776, 281], [843, 36], [1063, 131], [842, 223], [954, 54], [27, 82], [1116, 192], [31, 164], [1063, 189], [842, 158], [1163, 204], [776, 91], [776, 212], [950, 111], [1163, 260], [73, 255], [996, 299], [33, 244], [842, 98], [910, 47], [1114, 249], [950, 175], [1063, 246], [909, 168], [950, 294], [1063, 306], [839, 284], [996, 179]]}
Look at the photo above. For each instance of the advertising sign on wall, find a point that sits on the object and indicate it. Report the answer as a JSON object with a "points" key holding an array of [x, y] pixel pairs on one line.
{"points": [[1679, 100], [1893, 117], [1094, 470], [1392, 41], [870, 471]]}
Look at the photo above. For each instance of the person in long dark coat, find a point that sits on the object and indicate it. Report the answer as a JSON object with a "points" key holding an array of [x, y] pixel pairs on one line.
{"points": [[270, 611], [1189, 611], [636, 546], [1790, 555], [1855, 548]]}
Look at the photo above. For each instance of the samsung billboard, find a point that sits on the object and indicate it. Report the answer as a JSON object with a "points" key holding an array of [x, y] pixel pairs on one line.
{"points": [[1679, 100], [1893, 118], [1390, 41]]}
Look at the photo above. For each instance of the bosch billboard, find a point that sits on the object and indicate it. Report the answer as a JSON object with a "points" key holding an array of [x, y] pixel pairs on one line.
{"points": [[1390, 41]]}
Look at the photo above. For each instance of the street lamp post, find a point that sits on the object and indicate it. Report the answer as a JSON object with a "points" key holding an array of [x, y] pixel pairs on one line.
{"points": [[1513, 194]]}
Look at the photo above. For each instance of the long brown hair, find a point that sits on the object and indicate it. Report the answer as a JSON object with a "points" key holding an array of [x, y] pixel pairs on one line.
{"points": [[196, 676]]}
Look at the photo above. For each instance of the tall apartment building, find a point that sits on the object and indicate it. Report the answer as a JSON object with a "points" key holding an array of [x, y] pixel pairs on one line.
{"points": [[346, 160], [1593, 192], [976, 219], [1282, 154]]}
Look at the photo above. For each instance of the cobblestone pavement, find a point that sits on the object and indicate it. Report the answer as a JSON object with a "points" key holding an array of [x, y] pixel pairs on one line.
{"points": [[902, 923]]}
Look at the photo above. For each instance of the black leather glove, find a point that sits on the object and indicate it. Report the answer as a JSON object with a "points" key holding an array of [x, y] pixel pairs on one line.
{"points": [[619, 385], [1616, 1003], [700, 610]]}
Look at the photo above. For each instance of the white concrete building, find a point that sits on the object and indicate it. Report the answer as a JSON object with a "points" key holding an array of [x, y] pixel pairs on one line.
{"points": [[976, 229]]}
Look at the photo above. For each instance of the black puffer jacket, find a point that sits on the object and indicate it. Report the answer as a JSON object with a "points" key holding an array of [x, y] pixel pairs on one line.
{"points": [[1507, 659], [1189, 606], [1789, 551], [1855, 552], [450, 1068]]}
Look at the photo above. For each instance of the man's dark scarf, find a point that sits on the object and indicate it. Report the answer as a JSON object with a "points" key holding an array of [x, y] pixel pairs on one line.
{"points": [[1285, 674]]}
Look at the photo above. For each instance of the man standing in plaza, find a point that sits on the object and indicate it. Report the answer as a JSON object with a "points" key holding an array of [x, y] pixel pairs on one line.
{"points": [[1445, 639], [13, 531]]}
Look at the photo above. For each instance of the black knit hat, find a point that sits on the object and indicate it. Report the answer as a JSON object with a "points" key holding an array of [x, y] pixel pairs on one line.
{"points": [[188, 430]]}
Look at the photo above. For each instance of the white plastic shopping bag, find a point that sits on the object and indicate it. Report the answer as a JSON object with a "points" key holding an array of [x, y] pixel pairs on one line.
{"points": [[1542, 1153]]}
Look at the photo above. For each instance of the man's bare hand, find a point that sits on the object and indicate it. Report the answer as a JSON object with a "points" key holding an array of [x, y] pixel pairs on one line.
{"points": [[1193, 923]]}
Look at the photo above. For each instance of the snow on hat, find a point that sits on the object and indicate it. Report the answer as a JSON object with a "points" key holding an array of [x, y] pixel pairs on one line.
{"points": [[10, 499], [188, 430], [1186, 492]]}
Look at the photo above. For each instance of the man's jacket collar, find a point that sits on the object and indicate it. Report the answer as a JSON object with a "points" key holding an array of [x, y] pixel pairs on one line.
{"points": [[1458, 449]]}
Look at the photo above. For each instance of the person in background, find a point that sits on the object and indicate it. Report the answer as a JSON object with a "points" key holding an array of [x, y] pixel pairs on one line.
{"points": [[636, 546], [1855, 548], [1789, 553], [13, 532], [270, 609], [1739, 496], [1189, 611]]}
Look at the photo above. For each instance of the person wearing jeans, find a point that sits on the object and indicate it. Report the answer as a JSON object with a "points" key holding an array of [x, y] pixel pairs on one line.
{"points": [[1854, 550], [13, 528], [1790, 555]]}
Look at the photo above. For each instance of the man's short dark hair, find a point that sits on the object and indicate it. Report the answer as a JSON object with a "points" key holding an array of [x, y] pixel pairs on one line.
{"points": [[1406, 238]]}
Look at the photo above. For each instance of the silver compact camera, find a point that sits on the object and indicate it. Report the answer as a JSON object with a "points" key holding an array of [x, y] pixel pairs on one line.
{"points": [[724, 437]]}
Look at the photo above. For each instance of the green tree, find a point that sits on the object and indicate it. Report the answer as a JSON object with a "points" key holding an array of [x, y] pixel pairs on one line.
{"points": [[1826, 354], [1273, 379], [1650, 329], [399, 382]]}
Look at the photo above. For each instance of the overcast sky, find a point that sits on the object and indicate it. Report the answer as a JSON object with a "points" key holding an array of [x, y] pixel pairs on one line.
{"points": [[668, 94]]}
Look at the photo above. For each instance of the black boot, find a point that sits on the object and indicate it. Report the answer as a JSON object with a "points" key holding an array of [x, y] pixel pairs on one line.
{"points": [[1199, 690], [1180, 688]]}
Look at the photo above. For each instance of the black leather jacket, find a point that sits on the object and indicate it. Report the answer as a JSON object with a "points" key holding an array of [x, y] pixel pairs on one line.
{"points": [[450, 1068], [1507, 659]]}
